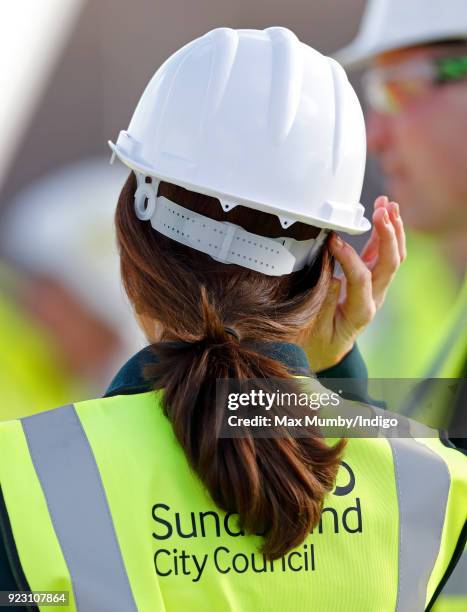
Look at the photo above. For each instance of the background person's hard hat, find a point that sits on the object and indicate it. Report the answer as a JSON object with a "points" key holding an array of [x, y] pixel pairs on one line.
{"points": [[257, 118], [393, 24], [62, 226]]}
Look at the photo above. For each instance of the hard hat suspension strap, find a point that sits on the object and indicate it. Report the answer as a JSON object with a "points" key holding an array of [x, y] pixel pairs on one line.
{"points": [[223, 241]]}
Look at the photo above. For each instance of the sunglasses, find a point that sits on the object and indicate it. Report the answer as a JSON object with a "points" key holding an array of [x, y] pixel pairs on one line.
{"points": [[388, 89]]}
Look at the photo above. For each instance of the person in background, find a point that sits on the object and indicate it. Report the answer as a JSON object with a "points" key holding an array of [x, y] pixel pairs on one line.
{"points": [[415, 82], [414, 56], [64, 320]]}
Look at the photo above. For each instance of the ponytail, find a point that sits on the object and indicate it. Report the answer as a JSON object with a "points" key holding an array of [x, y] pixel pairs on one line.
{"points": [[215, 313]]}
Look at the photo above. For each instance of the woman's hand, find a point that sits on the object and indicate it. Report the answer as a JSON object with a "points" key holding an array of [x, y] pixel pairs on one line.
{"points": [[353, 299]]}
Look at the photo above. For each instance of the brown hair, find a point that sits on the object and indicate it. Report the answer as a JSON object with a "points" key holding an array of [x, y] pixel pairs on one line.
{"points": [[276, 485]]}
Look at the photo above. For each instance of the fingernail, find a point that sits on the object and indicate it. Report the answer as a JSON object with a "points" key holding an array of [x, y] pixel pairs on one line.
{"points": [[338, 242], [382, 200], [386, 218], [395, 210]]}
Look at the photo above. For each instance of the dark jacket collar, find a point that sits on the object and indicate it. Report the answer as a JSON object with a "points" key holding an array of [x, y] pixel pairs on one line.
{"points": [[130, 378]]}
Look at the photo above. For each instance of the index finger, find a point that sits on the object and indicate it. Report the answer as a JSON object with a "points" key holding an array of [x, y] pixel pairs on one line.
{"points": [[388, 259]]}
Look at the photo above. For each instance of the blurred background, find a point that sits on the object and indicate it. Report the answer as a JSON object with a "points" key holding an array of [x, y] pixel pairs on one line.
{"points": [[71, 73]]}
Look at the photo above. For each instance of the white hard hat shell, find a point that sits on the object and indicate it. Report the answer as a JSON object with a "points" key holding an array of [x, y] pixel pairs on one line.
{"points": [[254, 118], [394, 24], [62, 226]]}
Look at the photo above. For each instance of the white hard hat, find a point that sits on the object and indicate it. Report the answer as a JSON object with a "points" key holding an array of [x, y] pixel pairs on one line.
{"points": [[62, 226], [393, 24], [251, 117]]}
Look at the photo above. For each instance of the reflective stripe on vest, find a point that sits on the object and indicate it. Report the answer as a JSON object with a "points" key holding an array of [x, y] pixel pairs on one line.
{"points": [[423, 483], [79, 510], [457, 583]]}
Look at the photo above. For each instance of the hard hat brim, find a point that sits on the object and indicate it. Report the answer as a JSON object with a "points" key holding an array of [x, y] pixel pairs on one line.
{"points": [[359, 54], [364, 226]]}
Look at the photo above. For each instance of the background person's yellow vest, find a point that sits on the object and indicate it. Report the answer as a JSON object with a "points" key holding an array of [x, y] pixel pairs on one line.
{"points": [[102, 503], [32, 377]]}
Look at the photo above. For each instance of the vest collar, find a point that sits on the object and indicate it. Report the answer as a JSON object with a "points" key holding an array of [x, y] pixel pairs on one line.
{"points": [[130, 378]]}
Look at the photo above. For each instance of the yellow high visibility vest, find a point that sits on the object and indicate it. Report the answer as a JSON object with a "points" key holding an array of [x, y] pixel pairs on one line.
{"points": [[412, 322], [102, 503], [450, 362], [32, 377]]}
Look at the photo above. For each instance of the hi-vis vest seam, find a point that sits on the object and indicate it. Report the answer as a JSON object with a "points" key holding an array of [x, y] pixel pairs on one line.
{"points": [[423, 481], [456, 583], [79, 510]]}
